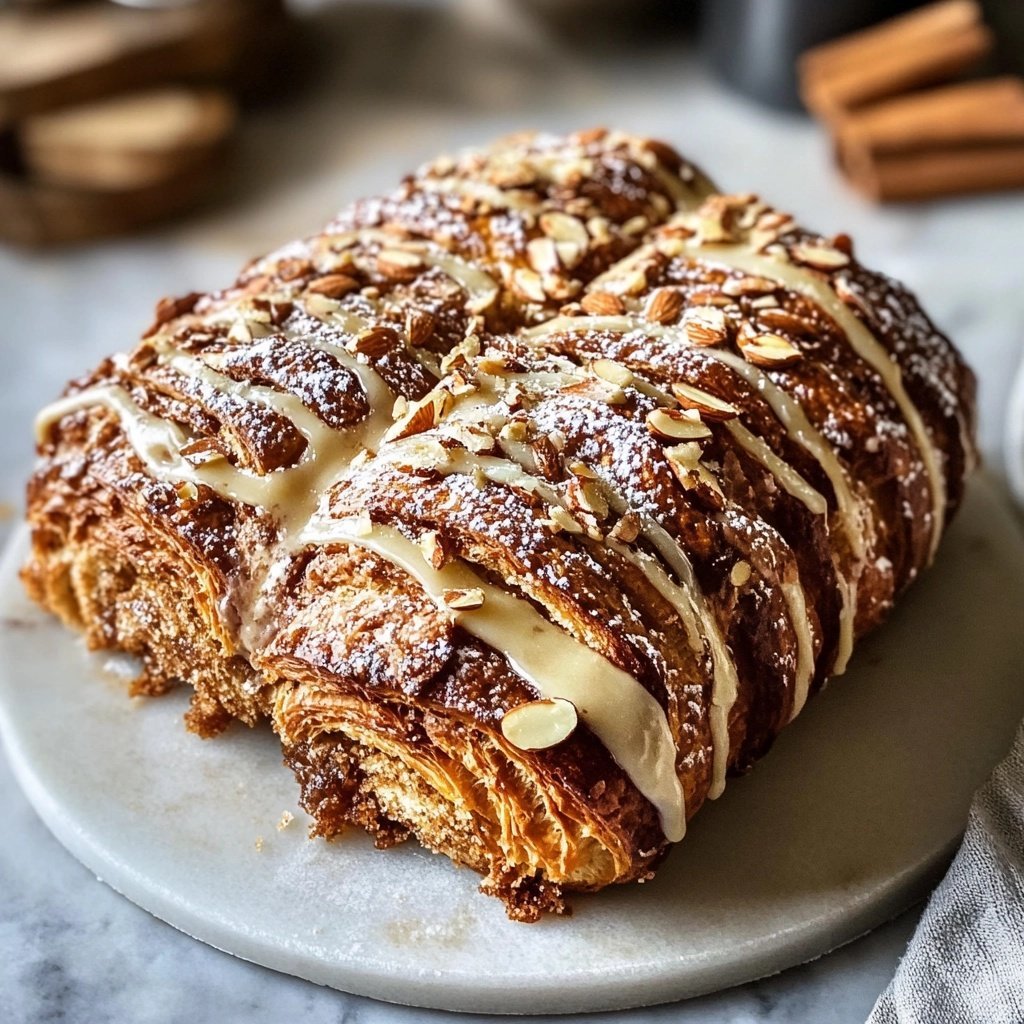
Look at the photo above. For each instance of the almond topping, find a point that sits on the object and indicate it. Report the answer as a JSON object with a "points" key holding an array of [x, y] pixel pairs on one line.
{"points": [[529, 285], [569, 253], [582, 469], [749, 285], [434, 549], [670, 246], [543, 255], [464, 600], [602, 304], [820, 257], [187, 493], [374, 341], [239, 332], [627, 529], [635, 225], [705, 325], [334, 286], [613, 372], [422, 415], [563, 227], [587, 497], [559, 519], [673, 425], [739, 574], [635, 283], [709, 406], [664, 306], [546, 457], [419, 326], [540, 723], [769, 350], [398, 262], [780, 320]]}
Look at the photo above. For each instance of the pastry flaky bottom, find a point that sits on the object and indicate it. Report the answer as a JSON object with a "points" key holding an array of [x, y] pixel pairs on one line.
{"points": [[392, 766]]}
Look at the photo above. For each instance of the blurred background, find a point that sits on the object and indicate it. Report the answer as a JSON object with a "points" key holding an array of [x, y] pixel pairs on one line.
{"points": [[150, 149]]}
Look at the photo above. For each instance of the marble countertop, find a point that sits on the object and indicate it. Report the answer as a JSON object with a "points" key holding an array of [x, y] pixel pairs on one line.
{"points": [[393, 84]]}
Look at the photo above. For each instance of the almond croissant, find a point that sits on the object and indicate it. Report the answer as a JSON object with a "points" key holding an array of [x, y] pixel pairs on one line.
{"points": [[527, 502]]}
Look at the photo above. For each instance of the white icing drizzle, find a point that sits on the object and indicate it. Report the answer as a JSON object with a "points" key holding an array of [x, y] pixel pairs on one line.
{"points": [[863, 342], [793, 594], [790, 479], [620, 712]]}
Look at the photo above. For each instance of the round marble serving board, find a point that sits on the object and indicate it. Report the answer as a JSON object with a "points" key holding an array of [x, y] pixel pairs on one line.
{"points": [[849, 819]]}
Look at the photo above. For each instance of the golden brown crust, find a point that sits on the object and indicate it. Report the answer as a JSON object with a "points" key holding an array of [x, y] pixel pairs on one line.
{"points": [[569, 293]]}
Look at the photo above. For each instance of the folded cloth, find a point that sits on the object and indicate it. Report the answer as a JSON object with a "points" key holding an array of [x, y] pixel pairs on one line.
{"points": [[965, 962]]}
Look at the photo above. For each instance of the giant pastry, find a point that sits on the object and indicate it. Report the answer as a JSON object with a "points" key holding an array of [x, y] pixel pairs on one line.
{"points": [[527, 503]]}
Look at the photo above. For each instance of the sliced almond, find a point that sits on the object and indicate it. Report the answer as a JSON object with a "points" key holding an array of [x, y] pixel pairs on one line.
{"points": [[187, 492], [563, 227], [375, 342], [398, 262], [670, 246], [419, 326], [739, 574], [540, 723], [820, 257], [781, 320], [434, 549], [598, 229], [581, 469], [636, 225], [749, 285], [627, 529], [769, 350], [514, 430], [334, 286], [586, 496], [547, 458], [673, 425], [852, 298], [560, 287], [320, 306], [664, 306], [613, 372], [560, 519], [464, 600], [529, 285], [422, 415], [635, 282], [709, 406], [239, 332], [543, 255], [684, 459], [602, 304], [569, 253], [705, 325]]}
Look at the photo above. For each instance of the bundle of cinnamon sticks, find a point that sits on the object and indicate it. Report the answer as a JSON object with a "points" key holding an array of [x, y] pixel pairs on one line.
{"points": [[900, 129]]}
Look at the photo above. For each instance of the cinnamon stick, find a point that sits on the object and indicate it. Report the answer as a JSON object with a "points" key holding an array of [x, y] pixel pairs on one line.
{"points": [[967, 114], [942, 172], [923, 47], [961, 138]]}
